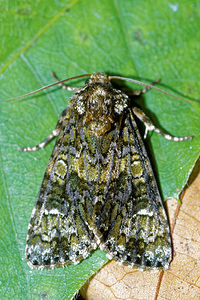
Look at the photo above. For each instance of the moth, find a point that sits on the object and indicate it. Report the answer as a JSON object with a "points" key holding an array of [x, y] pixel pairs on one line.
{"points": [[99, 190]]}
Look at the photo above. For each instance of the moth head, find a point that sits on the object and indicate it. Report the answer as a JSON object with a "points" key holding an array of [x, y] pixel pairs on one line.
{"points": [[98, 78]]}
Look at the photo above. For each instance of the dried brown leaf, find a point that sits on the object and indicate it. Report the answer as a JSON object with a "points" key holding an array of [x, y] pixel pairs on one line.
{"points": [[182, 281]]}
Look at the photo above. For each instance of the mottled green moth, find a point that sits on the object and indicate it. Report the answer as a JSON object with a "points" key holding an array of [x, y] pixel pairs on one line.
{"points": [[99, 190]]}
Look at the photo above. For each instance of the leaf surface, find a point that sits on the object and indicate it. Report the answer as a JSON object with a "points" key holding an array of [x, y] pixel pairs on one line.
{"points": [[130, 38]]}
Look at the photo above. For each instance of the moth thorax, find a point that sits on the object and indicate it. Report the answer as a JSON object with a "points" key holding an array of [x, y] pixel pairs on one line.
{"points": [[99, 113], [99, 103]]}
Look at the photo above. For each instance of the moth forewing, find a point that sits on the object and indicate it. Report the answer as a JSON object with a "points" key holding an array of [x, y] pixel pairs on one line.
{"points": [[138, 234], [99, 189]]}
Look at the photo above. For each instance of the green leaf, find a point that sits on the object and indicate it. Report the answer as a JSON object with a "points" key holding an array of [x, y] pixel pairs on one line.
{"points": [[147, 39]]}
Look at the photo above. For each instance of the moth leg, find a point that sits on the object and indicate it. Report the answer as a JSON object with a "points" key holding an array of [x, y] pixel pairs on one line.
{"points": [[41, 145], [144, 90], [54, 133], [149, 126], [65, 87]]}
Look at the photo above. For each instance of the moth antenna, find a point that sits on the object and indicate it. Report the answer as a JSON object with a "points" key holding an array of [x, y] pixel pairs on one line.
{"points": [[49, 85], [148, 85]]}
